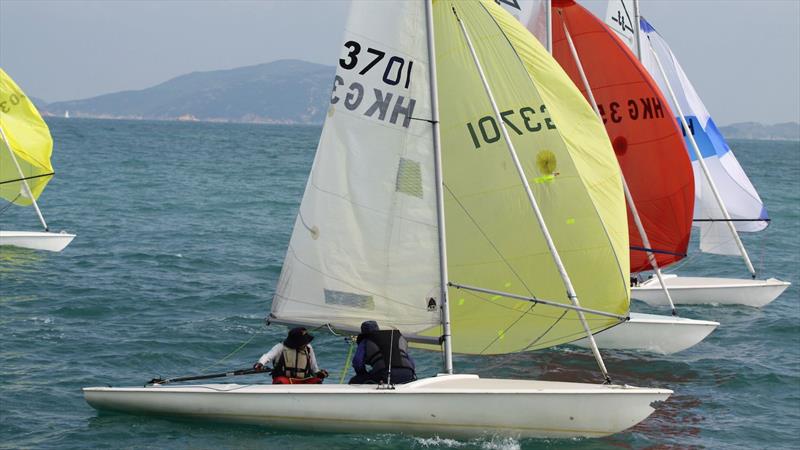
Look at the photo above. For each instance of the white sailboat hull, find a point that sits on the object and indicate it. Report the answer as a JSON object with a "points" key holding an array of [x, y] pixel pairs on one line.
{"points": [[653, 333], [36, 240], [715, 291], [447, 405]]}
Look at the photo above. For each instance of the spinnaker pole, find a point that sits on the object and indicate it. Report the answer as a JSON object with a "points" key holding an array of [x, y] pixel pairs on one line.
{"points": [[573, 297], [651, 258], [702, 162], [535, 300], [25, 185], [439, 181]]}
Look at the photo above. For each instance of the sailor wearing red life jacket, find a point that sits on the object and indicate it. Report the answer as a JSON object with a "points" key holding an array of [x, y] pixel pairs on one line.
{"points": [[293, 360]]}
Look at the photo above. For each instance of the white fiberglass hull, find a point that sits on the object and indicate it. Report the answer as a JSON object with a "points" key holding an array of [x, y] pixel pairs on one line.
{"points": [[652, 333], [36, 240], [447, 405], [715, 291]]}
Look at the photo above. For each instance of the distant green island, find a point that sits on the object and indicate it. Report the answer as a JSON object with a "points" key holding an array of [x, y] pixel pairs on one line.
{"points": [[281, 92]]}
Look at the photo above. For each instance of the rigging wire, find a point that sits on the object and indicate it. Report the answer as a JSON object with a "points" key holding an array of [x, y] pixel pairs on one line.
{"points": [[4, 208]]}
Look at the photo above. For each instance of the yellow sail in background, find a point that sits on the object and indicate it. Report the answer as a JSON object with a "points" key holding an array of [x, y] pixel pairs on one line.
{"points": [[493, 239], [28, 137]]}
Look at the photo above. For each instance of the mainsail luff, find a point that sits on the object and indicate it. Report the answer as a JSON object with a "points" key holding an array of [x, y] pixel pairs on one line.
{"points": [[447, 336]]}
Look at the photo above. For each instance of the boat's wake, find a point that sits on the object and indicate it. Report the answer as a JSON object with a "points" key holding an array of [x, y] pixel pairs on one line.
{"points": [[487, 443]]}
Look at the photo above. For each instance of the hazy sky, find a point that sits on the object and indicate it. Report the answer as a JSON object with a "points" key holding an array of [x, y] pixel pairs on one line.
{"points": [[742, 56]]}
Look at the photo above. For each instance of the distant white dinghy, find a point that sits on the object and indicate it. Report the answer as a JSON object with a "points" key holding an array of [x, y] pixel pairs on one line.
{"points": [[726, 202], [714, 291], [398, 164], [654, 333], [444, 405], [25, 168], [36, 240]]}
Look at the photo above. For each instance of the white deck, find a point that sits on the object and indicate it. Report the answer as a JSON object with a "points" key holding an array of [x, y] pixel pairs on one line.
{"points": [[450, 405], [36, 240], [653, 333], [709, 290]]}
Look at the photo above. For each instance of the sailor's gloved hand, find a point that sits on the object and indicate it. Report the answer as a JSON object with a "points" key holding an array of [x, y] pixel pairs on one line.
{"points": [[258, 367], [322, 374]]}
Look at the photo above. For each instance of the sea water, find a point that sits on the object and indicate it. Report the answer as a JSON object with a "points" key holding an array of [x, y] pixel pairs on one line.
{"points": [[181, 233]]}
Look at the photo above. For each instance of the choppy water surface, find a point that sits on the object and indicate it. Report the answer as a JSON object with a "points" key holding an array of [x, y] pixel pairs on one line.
{"points": [[182, 229]]}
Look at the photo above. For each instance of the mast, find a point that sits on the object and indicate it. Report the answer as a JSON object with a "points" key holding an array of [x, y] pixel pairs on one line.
{"points": [[573, 297], [702, 162], [439, 181], [628, 197], [637, 43], [548, 26], [24, 181]]}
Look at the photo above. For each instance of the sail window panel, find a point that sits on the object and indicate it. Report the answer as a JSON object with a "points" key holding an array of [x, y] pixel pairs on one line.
{"points": [[409, 177], [349, 299]]}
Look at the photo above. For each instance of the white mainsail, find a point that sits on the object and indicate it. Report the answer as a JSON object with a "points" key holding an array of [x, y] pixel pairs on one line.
{"points": [[365, 244]]}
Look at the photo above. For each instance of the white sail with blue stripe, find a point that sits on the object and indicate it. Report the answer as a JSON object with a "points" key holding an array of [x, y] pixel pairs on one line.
{"points": [[737, 192]]}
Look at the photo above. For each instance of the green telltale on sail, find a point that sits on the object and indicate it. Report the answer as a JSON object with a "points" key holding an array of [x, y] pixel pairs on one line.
{"points": [[25, 145]]}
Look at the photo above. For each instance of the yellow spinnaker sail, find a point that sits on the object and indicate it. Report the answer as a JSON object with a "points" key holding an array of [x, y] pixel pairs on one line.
{"points": [[493, 239], [28, 137]]}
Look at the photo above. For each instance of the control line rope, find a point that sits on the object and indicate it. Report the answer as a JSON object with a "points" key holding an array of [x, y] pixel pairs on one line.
{"points": [[347, 360], [229, 354]]}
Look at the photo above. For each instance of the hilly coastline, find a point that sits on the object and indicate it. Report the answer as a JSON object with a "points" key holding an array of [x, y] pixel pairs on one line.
{"points": [[788, 131], [281, 92], [285, 91]]}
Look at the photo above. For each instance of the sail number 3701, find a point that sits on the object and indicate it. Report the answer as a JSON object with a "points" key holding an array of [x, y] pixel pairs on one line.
{"points": [[488, 131], [395, 71]]}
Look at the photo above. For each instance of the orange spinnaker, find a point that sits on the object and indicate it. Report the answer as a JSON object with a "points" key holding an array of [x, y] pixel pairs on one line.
{"points": [[642, 129]]}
